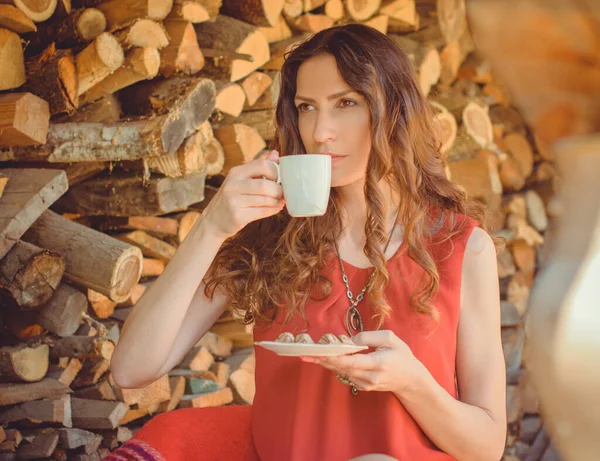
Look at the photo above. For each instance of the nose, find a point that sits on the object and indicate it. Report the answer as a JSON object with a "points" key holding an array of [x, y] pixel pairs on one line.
{"points": [[324, 129]]}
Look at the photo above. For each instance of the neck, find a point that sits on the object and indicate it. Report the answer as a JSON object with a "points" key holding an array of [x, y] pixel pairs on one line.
{"points": [[354, 208]]}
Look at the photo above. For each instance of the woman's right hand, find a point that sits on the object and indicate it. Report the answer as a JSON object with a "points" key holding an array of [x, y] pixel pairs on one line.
{"points": [[249, 193]]}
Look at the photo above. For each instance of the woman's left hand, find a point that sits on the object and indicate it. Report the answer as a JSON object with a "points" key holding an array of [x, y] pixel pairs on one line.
{"points": [[392, 367]]}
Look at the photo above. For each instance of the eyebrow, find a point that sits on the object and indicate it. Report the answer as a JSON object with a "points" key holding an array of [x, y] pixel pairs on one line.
{"points": [[330, 97]]}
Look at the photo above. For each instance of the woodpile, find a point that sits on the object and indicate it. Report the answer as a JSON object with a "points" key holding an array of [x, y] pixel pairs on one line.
{"points": [[117, 125]]}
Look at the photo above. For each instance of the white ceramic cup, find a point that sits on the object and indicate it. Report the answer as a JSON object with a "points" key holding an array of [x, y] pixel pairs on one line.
{"points": [[306, 182]]}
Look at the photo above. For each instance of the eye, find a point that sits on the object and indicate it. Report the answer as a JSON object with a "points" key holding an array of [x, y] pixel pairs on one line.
{"points": [[345, 103], [303, 107]]}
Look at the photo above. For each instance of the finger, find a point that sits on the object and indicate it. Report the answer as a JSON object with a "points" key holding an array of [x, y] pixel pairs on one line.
{"points": [[273, 155], [260, 187], [254, 214], [381, 338], [255, 169], [356, 361], [253, 201]]}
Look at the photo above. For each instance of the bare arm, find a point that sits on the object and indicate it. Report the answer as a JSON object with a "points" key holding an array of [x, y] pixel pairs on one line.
{"points": [[174, 313], [474, 427]]}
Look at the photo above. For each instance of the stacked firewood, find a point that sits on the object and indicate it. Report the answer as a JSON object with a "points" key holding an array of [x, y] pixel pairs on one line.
{"points": [[118, 123]]}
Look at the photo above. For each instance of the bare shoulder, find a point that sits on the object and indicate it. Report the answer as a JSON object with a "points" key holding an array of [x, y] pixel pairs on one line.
{"points": [[480, 242], [480, 260]]}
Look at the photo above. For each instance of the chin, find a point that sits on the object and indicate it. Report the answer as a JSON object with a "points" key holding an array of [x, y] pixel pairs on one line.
{"points": [[340, 179]]}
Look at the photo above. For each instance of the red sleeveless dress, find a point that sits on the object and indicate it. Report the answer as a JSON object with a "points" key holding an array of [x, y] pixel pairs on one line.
{"points": [[301, 412]]}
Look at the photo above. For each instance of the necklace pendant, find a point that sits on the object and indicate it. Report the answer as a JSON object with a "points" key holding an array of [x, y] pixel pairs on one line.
{"points": [[353, 321]]}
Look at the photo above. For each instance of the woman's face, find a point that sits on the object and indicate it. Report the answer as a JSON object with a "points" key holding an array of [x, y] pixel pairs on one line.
{"points": [[333, 119]]}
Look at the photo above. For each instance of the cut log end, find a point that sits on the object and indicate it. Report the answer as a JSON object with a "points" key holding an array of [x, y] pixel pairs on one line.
{"points": [[159, 9], [126, 274], [37, 10], [91, 23], [255, 45], [361, 10], [109, 51]]}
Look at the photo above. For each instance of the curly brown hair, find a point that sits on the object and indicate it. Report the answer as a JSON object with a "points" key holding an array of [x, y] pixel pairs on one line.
{"points": [[278, 262]]}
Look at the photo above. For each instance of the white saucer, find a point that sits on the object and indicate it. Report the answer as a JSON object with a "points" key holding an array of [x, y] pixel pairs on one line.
{"points": [[308, 350]]}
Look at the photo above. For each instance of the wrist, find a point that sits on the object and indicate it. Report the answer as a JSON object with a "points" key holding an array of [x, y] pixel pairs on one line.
{"points": [[420, 377], [205, 231]]}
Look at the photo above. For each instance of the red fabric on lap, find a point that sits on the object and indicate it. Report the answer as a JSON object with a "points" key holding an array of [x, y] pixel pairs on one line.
{"points": [[202, 434]]}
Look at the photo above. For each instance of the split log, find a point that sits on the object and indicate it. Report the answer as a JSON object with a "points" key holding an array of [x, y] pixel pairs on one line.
{"points": [[177, 389], [149, 397], [41, 446], [269, 98], [24, 120], [82, 347], [380, 23], [536, 211], [57, 411], [183, 54], [75, 30], [211, 399], [22, 363], [13, 19], [312, 23], [218, 346], [511, 174], [452, 18], [52, 75], [479, 177], [241, 379], [143, 33], [186, 101], [29, 275], [11, 393], [91, 372], [71, 438], [140, 64], [402, 15], [226, 35], [200, 153], [102, 306], [132, 196], [517, 146], [453, 55], [198, 358], [152, 224], [240, 143], [96, 414], [310, 5], [258, 12], [425, 59], [230, 99], [152, 267], [112, 267], [293, 8], [360, 10], [263, 121], [67, 374], [27, 195], [281, 31], [150, 246], [121, 12], [136, 294], [524, 256], [277, 51], [13, 75], [3, 181], [102, 390], [185, 225], [255, 85], [222, 371], [188, 11]]}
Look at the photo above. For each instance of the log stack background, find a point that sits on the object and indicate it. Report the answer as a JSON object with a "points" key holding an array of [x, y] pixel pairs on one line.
{"points": [[118, 122]]}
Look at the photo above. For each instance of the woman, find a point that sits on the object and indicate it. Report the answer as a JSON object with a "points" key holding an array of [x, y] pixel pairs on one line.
{"points": [[432, 385]]}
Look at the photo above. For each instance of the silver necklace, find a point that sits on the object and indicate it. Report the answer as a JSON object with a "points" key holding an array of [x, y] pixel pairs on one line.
{"points": [[354, 322]]}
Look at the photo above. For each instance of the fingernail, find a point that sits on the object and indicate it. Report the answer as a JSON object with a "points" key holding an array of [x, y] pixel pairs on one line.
{"points": [[307, 359]]}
